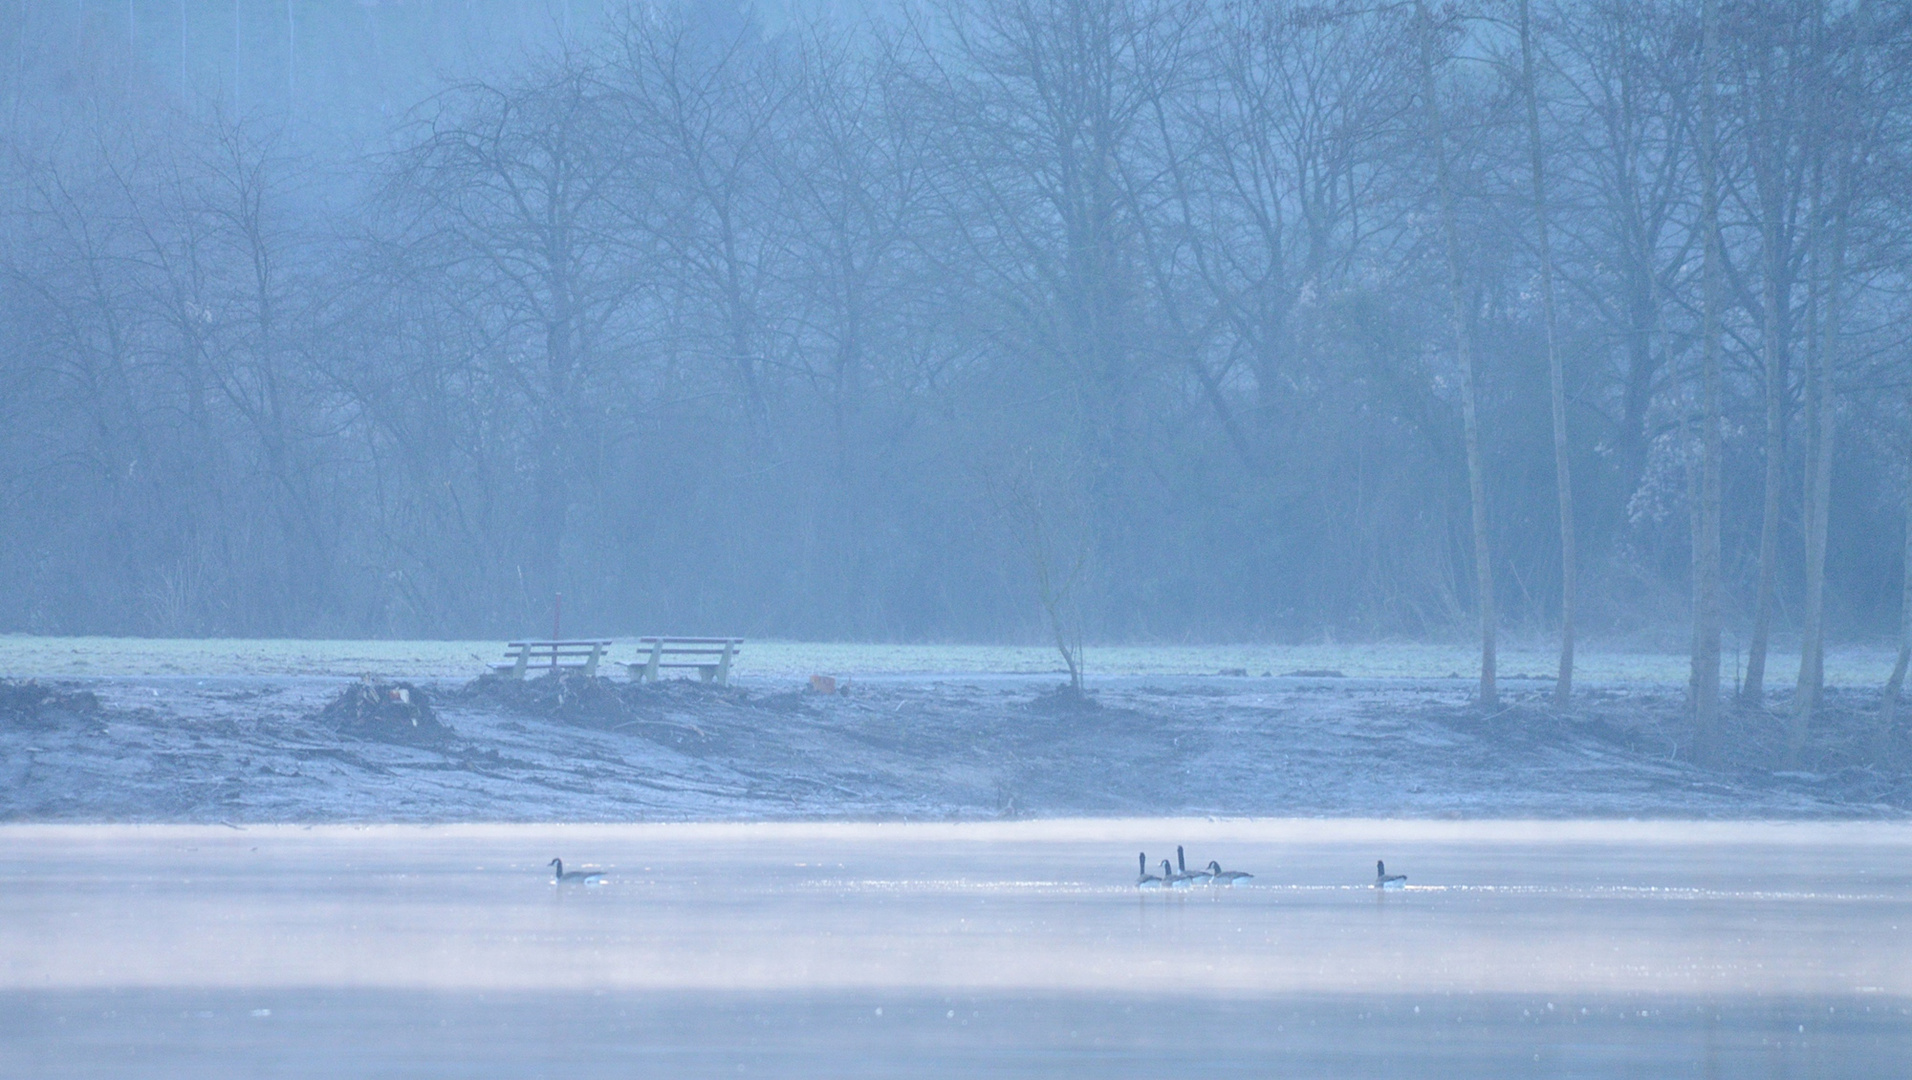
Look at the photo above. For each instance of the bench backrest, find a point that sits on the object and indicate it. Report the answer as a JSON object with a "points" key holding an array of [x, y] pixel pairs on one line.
{"points": [[711, 656], [555, 654], [690, 644]]}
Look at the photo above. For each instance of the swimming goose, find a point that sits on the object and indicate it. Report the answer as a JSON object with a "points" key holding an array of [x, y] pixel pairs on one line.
{"points": [[1174, 880], [1218, 876], [1198, 877], [1385, 880], [1144, 879], [574, 877]]}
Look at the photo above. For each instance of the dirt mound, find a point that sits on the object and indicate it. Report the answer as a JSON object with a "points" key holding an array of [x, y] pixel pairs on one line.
{"points": [[32, 704], [1063, 702], [563, 695], [678, 713], [575, 697], [387, 712]]}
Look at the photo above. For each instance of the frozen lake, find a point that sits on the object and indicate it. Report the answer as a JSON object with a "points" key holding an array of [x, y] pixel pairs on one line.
{"points": [[1546, 949]]}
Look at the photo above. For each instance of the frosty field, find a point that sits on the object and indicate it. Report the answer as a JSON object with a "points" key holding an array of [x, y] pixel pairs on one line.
{"points": [[27, 656], [1013, 949], [208, 731]]}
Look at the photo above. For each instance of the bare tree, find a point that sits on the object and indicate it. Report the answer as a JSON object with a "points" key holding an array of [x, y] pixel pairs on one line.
{"points": [[1626, 168], [1044, 112], [1556, 373], [1889, 705], [1703, 690], [1436, 134], [855, 166], [1779, 151], [1041, 503], [701, 106], [694, 287], [255, 298], [510, 190], [1844, 106], [1285, 191]]}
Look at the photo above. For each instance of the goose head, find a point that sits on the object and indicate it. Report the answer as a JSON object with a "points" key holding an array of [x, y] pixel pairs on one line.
{"points": [[1214, 868], [1181, 864]]}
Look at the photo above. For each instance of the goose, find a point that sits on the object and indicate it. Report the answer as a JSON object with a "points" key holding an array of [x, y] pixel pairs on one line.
{"points": [[1225, 878], [575, 877], [1385, 880], [1198, 877], [1174, 880], [1144, 879]]}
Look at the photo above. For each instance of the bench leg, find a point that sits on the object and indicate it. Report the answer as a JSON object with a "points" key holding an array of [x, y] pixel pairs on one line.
{"points": [[590, 665], [524, 658], [657, 656], [723, 666]]}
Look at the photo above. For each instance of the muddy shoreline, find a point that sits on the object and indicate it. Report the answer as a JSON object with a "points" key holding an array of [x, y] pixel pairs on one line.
{"points": [[244, 750]]}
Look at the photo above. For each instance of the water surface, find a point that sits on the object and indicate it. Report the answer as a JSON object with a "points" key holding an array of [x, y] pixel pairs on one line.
{"points": [[1544, 949]]}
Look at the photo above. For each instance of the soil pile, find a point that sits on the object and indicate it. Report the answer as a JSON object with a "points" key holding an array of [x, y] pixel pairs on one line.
{"points": [[595, 701], [387, 712], [31, 704], [679, 713], [1064, 701]]}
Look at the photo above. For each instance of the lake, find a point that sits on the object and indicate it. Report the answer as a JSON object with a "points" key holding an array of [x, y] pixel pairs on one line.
{"points": [[1542, 949]]}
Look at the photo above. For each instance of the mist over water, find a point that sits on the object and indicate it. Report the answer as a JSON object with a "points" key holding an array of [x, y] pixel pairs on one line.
{"points": [[855, 948], [937, 352]]}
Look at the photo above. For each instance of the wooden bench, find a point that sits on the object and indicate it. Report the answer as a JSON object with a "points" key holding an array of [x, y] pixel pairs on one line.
{"points": [[711, 657], [551, 655]]}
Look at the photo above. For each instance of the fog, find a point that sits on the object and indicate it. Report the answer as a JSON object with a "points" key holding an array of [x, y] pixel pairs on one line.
{"points": [[1493, 410], [938, 950], [966, 320]]}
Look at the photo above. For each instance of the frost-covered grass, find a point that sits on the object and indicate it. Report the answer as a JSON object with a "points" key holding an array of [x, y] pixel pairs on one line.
{"points": [[23, 656]]}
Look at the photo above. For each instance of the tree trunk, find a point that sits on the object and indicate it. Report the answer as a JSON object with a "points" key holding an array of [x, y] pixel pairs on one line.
{"points": [[1464, 353], [1563, 474], [1889, 708], [1819, 420], [1704, 686], [1812, 658], [1776, 328]]}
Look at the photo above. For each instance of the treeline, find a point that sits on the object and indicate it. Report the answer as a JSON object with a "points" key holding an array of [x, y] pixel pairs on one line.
{"points": [[1124, 320]]}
